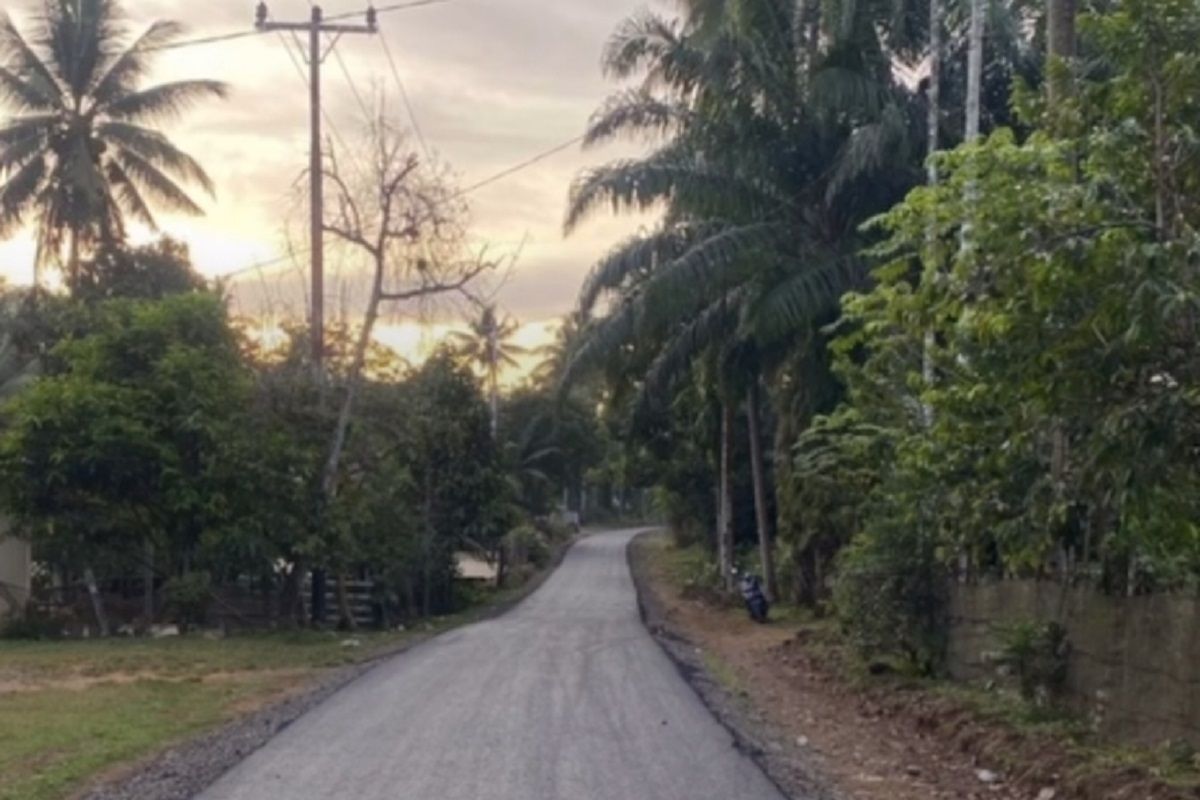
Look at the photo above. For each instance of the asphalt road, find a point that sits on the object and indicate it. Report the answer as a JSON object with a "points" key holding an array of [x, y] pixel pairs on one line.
{"points": [[564, 698]]}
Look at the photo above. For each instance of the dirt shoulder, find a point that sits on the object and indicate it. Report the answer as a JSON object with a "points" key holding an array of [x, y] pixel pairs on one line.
{"points": [[821, 729]]}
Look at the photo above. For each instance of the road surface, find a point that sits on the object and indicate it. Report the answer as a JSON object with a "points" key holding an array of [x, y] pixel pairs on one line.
{"points": [[564, 698]]}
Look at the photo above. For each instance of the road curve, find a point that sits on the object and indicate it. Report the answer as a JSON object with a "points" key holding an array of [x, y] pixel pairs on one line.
{"points": [[564, 698]]}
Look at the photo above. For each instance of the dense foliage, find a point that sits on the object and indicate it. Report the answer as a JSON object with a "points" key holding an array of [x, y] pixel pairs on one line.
{"points": [[150, 447], [1009, 386]]}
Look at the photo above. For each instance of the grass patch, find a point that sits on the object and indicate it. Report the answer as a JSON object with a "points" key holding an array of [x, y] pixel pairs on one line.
{"points": [[184, 656], [724, 675], [68, 736], [79, 709]]}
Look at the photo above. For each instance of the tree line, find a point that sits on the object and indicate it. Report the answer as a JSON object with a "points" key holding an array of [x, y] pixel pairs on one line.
{"points": [[922, 300], [153, 449]]}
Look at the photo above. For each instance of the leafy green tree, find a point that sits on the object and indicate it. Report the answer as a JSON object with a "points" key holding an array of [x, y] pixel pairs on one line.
{"points": [[1062, 424], [129, 441], [549, 442], [764, 170], [148, 272], [459, 488], [79, 156]]}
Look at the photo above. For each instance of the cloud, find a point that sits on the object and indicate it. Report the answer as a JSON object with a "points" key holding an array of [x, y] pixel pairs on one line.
{"points": [[492, 82]]}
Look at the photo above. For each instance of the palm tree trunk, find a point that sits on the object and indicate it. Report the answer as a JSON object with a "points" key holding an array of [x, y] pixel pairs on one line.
{"points": [[761, 517], [493, 356], [933, 123], [974, 95], [725, 532], [974, 70], [934, 113], [1060, 43], [494, 403]]}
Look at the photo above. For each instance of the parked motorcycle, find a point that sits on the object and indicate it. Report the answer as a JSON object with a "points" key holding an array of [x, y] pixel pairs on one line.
{"points": [[756, 600]]}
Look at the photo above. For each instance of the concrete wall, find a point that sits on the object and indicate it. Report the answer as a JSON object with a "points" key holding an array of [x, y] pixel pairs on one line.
{"points": [[14, 574], [1134, 668]]}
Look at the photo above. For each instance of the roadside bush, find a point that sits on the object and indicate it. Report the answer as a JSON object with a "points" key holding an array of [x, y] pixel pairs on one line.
{"points": [[33, 626], [553, 529], [525, 545], [686, 514], [188, 597], [891, 597], [1037, 654]]}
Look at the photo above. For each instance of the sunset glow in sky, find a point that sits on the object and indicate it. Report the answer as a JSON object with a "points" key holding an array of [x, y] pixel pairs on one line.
{"points": [[492, 83]]}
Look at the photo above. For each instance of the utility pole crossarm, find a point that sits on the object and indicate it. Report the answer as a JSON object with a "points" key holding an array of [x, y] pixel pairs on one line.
{"points": [[306, 26], [263, 23]]}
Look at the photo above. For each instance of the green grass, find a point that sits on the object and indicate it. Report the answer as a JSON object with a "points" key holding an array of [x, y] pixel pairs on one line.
{"points": [[185, 656], [59, 738], [84, 707]]}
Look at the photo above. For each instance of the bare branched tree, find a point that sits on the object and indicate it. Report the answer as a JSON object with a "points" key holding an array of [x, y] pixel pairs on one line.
{"points": [[404, 217]]}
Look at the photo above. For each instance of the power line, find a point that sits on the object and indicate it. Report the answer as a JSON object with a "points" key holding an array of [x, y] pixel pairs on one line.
{"points": [[389, 8], [325, 115], [499, 176], [225, 37], [337, 54], [412, 116]]}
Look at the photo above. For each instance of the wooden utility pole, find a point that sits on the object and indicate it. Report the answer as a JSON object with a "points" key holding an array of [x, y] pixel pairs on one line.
{"points": [[314, 28], [316, 54]]}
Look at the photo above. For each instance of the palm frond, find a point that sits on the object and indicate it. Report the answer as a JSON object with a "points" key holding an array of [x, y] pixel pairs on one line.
{"points": [[715, 263], [637, 255], [19, 192], [79, 37], [39, 89], [155, 149], [639, 40], [712, 325], [600, 340], [19, 129], [811, 292], [869, 148], [19, 143], [23, 94], [633, 112], [673, 174], [130, 198], [122, 74], [149, 179], [165, 101], [839, 91]]}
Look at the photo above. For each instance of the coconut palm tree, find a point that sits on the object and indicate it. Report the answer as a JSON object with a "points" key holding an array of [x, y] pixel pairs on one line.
{"points": [[774, 150], [488, 347], [79, 157]]}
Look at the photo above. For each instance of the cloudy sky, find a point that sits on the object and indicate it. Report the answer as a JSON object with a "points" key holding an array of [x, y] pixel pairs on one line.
{"points": [[492, 83]]}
